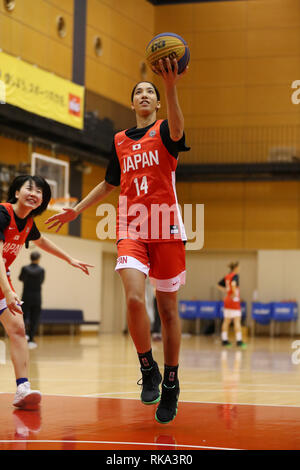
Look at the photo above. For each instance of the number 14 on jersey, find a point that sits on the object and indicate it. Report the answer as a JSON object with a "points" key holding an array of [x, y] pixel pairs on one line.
{"points": [[143, 186]]}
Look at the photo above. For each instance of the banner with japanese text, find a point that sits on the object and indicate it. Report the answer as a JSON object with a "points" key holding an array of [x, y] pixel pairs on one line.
{"points": [[41, 92]]}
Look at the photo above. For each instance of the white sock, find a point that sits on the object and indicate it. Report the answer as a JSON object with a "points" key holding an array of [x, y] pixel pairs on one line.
{"points": [[238, 336], [224, 336]]}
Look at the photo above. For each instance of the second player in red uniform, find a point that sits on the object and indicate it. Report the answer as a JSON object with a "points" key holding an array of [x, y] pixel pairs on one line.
{"points": [[232, 305], [28, 197]]}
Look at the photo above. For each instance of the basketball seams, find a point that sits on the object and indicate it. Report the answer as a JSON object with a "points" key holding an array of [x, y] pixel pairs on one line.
{"points": [[180, 51], [161, 35]]}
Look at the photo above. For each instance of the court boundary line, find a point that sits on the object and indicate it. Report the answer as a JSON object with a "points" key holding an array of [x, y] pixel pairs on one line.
{"points": [[50, 441], [180, 401], [115, 380]]}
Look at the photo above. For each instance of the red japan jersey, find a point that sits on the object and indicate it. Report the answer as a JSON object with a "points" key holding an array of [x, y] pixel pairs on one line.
{"points": [[14, 240], [148, 209], [229, 302]]}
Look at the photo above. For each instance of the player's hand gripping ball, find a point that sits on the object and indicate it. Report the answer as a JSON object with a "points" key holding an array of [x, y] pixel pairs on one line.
{"points": [[168, 45]]}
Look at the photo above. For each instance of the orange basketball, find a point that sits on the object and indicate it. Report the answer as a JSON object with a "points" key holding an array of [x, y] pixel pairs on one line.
{"points": [[168, 45]]}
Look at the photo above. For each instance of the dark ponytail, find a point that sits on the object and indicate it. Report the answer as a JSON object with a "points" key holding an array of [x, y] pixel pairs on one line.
{"points": [[233, 265]]}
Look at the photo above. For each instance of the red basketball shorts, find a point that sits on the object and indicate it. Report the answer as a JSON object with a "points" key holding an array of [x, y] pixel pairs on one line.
{"points": [[163, 261]]}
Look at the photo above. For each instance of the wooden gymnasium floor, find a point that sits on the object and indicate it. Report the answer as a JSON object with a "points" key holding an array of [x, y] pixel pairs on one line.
{"points": [[229, 399]]}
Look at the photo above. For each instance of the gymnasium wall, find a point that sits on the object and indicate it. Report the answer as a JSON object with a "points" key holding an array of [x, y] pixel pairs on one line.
{"points": [[124, 28], [29, 32], [247, 215], [237, 93], [278, 275], [13, 152]]}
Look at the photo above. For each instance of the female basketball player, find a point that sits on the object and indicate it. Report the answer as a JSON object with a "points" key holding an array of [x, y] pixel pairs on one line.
{"points": [[232, 306], [143, 162], [28, 196]]}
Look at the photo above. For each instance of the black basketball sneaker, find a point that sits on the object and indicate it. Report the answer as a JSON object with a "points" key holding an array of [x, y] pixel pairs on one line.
{"points": [[167, 408], [151, 378]]}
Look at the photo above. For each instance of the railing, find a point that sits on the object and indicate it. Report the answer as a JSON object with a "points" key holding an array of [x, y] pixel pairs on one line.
{"points": [[242, 145]]}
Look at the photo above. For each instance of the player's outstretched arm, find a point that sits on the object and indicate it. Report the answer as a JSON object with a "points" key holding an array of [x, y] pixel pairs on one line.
{"points": [[69, 214], [44, 244], [168, 70]]}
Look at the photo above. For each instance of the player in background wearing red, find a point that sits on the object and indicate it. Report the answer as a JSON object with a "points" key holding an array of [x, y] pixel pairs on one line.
{"points": [[28, 196], [143, 162], [232, 305]]}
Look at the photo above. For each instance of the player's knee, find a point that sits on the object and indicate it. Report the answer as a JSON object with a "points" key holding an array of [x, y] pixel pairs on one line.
{"points": [[226, 322], [168, 314], [135, 302], [16, 331]]}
